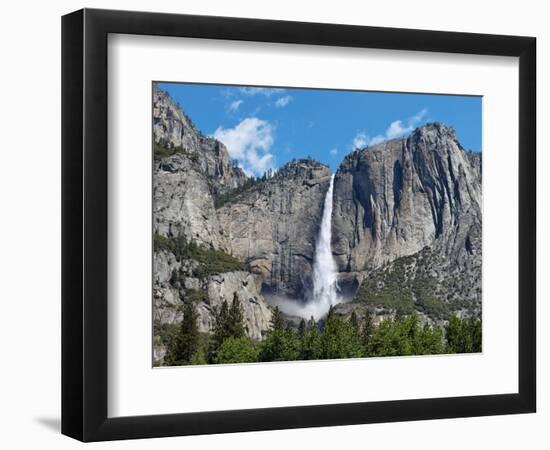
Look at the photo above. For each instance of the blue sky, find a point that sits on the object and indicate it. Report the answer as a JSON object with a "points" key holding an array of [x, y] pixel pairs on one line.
{"points": [[264, 128]]}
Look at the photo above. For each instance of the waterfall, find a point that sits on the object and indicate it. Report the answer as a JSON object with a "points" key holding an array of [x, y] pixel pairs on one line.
{"points": [[325, 285]]}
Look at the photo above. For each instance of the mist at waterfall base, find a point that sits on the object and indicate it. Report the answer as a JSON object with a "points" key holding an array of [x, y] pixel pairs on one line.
{"points": [[325, 292]]}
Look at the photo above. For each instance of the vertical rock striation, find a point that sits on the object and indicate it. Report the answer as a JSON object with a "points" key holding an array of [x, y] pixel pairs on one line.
{"points": [[274, 225], [190, 171], [396, 198], [406, 224]]}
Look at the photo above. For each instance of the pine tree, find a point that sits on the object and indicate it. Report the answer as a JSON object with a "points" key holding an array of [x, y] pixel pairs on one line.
{"points": [[187, 341], [310, 343], [339, 339], [281, 343], [235, 325], [277, 321], [428, 340], [455, 336], [220, 332], [367, 329], [399, 313], [463, 336], [302, 329], [237, 350], [400, 337], [412, 325], [474, 329], [228, 323]]}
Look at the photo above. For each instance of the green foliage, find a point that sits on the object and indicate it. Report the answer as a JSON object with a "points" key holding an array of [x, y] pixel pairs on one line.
{"points": [[354, 322], [170, 335], [182, 345], [277, 321], [432, 306], [195, 296], [366, 329], [228, 323], [161, 243], [220, 331], [237, 350], [167, 334], [463, 336], [211, 261], [429, 341], [187, 340], [401, 337], [199, 358], [235, 324], [280, 345], [302, 329], [310, 342], [391, 296], [340, 338], [404, 286], [161, 151]]}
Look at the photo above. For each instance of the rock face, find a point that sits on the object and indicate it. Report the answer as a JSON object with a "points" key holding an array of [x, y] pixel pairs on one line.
{"points": [[174, 130], [183, 203], [167, 297], [187, 179], [274, 226], [257, 314], [406, 226], [189, 172], [394, 199]]}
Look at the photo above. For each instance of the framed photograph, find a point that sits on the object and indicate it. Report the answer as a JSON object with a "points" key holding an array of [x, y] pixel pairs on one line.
{"points": [[273, 224]]}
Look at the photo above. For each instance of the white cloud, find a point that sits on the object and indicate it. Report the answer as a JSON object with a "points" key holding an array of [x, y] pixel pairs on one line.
{"points": [[249, 142], [333, 151], [420, 116], [360, 140], [376, 139], [257, 163], [283, 101], [234, 106], [266, 92], [396, 129]]}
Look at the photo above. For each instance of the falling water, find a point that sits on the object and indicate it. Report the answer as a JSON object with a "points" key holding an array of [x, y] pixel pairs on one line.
{"points": [[325, 285]]}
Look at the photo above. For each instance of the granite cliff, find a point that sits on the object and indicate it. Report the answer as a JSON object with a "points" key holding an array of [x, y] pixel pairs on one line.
{"points": [[190, 171], [414, 205], [406, 226], [273, 226]]}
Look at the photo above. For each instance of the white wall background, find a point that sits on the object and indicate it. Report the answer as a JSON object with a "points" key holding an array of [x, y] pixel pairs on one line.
{"points": [[30, 229]]}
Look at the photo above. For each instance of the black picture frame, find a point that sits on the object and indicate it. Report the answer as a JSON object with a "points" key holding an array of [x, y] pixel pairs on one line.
{"points": [[84, 224]]}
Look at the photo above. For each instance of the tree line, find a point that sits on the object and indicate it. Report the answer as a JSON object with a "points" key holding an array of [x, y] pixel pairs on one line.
{"points": [[210, 261], [335, 338]]}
